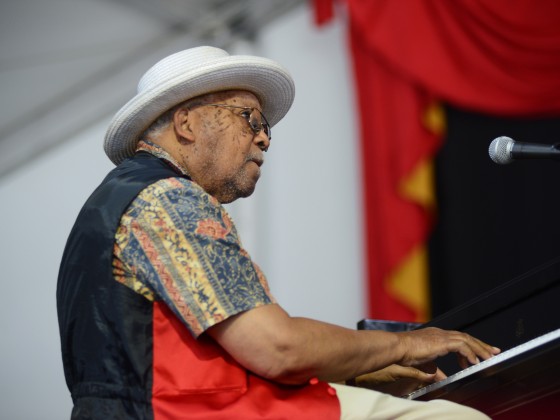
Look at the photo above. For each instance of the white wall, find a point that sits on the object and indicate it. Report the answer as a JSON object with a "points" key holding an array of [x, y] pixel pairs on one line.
{"points": [[302, 225], [313, 211]]}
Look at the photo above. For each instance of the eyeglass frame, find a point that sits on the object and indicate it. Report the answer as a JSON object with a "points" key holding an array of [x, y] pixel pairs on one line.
{"points": [[264, 126]]}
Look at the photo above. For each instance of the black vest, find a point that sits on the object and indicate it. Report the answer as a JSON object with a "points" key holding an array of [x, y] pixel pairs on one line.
{"points": [[105, 327]]}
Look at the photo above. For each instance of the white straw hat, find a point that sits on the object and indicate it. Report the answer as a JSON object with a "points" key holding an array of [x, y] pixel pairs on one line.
{"points": [[192, 73]]}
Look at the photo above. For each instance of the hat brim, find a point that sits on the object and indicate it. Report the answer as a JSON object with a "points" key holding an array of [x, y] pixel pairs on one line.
{"points": [[271, 83]]}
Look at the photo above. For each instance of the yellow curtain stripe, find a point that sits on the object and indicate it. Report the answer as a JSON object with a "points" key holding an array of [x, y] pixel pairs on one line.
{"points": [[419, 187], [434, 118], [409, 282]]}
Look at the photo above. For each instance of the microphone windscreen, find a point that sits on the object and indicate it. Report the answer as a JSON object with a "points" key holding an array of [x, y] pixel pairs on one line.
{"points": [[500, 149]]}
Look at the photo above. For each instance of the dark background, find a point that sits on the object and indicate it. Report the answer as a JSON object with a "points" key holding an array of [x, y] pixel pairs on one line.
{"points": [[494, 222]]}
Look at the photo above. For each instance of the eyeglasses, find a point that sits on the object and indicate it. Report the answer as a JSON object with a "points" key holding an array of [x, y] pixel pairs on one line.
{"points": [[256, 119]]}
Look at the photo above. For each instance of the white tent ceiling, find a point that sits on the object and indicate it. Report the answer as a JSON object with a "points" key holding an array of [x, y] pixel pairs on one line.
{"points": [[66, 64]]}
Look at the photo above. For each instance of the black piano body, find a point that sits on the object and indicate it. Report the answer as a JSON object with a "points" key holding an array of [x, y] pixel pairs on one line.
{"points": [[522, 317]]}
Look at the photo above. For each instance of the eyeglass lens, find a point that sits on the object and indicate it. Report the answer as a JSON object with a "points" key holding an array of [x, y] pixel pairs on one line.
{"points": [[258, 122]]}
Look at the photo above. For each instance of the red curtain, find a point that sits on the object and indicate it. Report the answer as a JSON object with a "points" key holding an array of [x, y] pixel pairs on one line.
{"points": [[498, 57]]}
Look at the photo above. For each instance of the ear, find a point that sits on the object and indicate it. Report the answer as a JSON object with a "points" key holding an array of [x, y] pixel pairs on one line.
{"points": [[183, 125]]}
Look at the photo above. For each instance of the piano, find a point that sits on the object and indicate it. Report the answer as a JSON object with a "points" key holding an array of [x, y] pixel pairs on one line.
{"points": [[522, 318]]}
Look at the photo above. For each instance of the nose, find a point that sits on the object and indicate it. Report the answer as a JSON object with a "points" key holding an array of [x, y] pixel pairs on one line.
{"points": [[262, 141]]}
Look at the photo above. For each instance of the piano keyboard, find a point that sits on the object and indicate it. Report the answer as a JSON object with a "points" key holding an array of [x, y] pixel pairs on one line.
{"points": [[500, 358]]}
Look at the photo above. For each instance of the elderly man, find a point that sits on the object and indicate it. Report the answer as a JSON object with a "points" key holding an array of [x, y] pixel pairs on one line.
{"points": [[164, 315]]}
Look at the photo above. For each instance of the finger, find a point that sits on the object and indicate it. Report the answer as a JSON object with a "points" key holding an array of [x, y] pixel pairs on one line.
{"points": [[483, 350], [425, 377], [405, 372], [487, 350], [463, 361], [465, 355], [472, 350], [439, 375]]}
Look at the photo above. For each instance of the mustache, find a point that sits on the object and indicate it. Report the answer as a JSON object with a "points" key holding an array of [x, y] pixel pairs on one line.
{"points": [[258, 158]]}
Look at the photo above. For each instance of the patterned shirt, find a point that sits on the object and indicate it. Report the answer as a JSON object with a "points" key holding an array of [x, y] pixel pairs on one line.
{"points": [[177, 243]]}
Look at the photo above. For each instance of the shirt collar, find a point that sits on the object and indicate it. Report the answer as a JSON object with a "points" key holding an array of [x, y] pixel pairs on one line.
{"points": [[157, 151]]}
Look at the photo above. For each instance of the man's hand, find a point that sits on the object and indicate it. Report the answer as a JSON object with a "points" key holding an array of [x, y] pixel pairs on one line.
{"points": [[400, 380], [416, 368], [425, 345]]}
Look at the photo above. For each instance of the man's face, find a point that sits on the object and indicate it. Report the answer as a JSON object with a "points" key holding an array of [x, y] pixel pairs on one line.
{"points": [[229, 152]]}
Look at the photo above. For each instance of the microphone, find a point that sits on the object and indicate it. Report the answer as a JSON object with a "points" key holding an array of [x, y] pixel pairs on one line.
{"points": [[504, 150]]}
